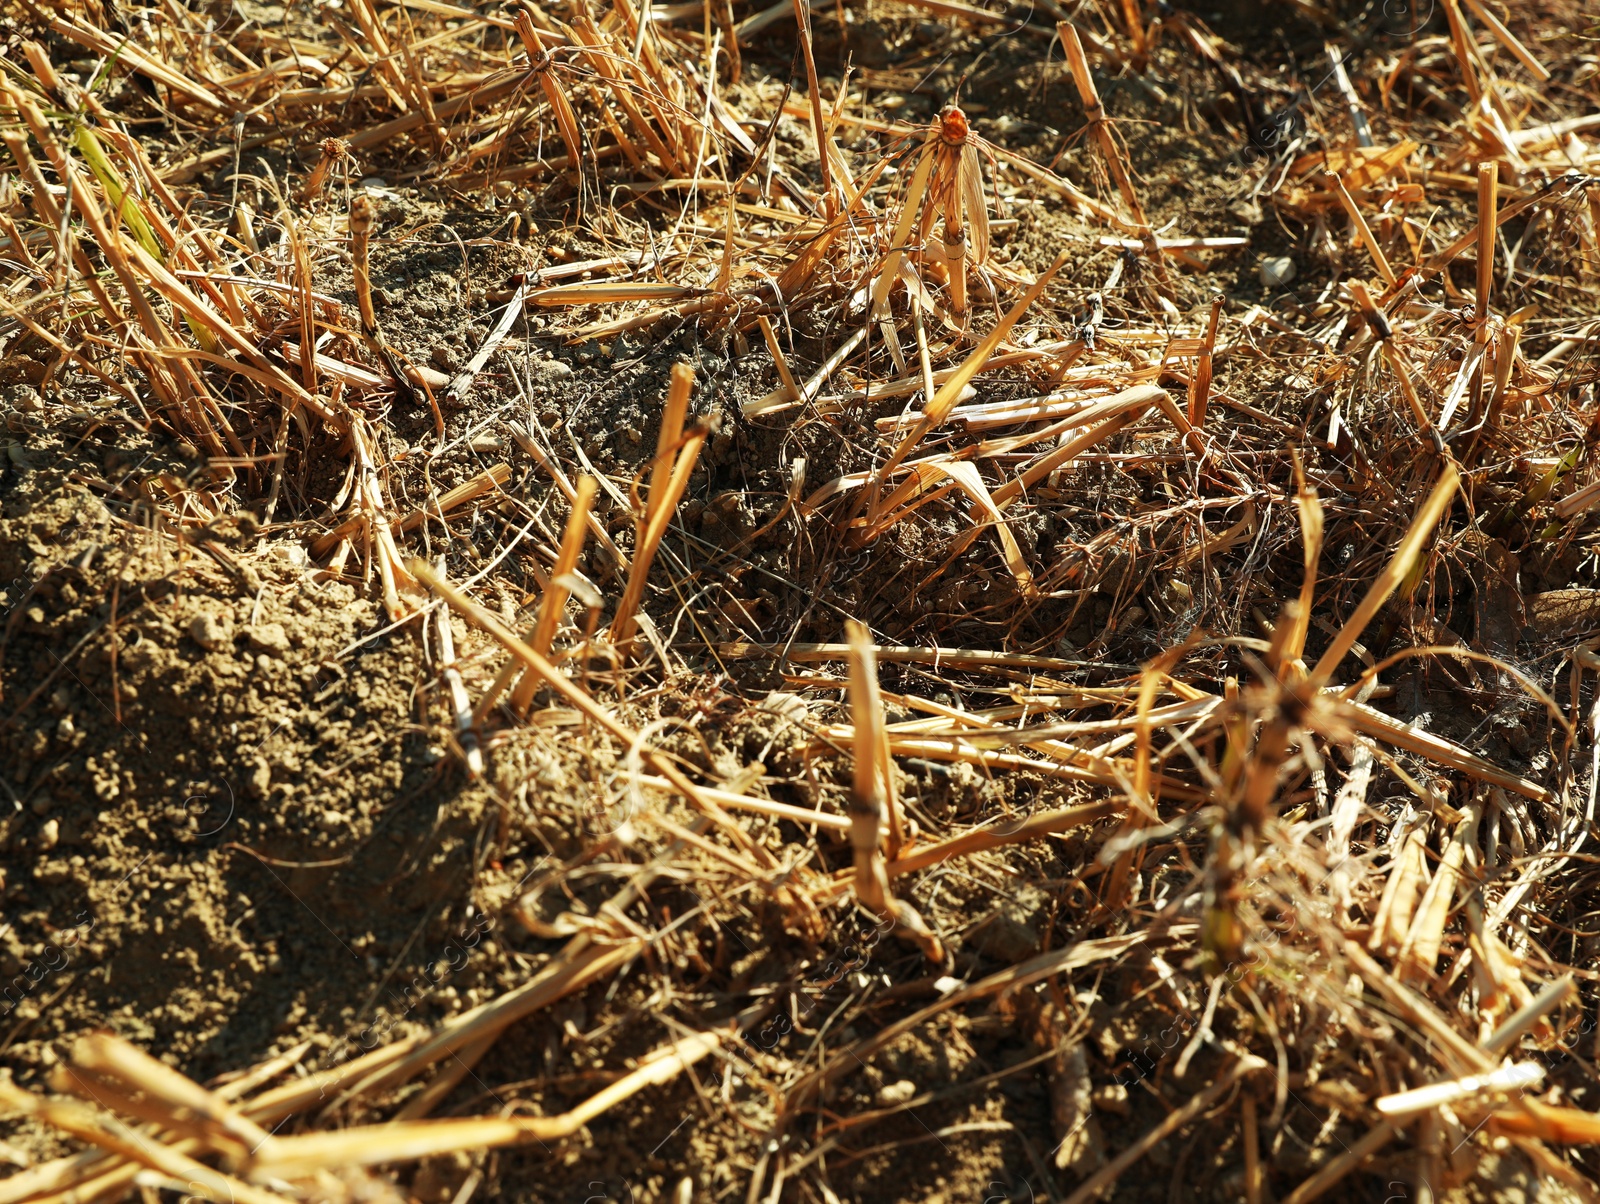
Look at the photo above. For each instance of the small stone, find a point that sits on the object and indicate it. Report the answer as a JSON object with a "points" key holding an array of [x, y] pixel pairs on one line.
{"points": [[1248, 212], [261, 779], [268, 637], [25, 398], [333, 820], [1113, 1097], [65, 728], [210, 631], [49, 833], [373, 182], [1004, 938], [891, 1094], [1011, 933], [789, 706], [1278, 271]]}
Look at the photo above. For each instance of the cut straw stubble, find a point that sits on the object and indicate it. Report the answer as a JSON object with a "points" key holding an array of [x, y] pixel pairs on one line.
{"points": [[298, 1157], [108, 1133], [1488, 203], [1095, 112], [938, 408], [872, 800], [676, 454], [551, 608], [1200, 382], [1395, 356]]}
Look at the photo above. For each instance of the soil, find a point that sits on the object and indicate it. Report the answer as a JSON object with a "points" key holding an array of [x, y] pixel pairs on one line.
{"points": [[242, 823]]}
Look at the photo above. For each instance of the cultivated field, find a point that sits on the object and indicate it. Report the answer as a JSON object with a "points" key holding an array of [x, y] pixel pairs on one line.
{"points": [[890, 601]]}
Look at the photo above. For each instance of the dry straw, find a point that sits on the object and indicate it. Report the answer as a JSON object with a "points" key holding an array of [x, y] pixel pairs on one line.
{"points": [[1161, 654]]}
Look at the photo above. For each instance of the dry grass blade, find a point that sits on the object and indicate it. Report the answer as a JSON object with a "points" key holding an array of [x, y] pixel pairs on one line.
{"points": [[555, 598], [982, 840], [1419, 952], [300, 1157], [1078, 63], [873, 812], [676, 455], [487, 481], [1364, 231], [112, 1135], [939, 406], [1023, 974], [1516, 1078], [1509, 40], [539, 62], [106, 1055], [1388, 581], [1200, 383]]}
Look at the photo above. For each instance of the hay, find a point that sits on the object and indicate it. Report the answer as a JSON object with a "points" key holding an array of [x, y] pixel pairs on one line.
{"points": [[1312, 891]]}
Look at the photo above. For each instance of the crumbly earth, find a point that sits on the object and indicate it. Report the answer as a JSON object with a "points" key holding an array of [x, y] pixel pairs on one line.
{"points": [[240, 820]]}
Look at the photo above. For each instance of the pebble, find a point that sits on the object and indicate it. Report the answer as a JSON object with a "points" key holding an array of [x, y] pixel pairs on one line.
{"points": [[269, 637], [1277, 271], [49, 833], [790, 706], [1248, 212], [25, 398], [896, 1093], [1004, 938], [209, 631]]}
